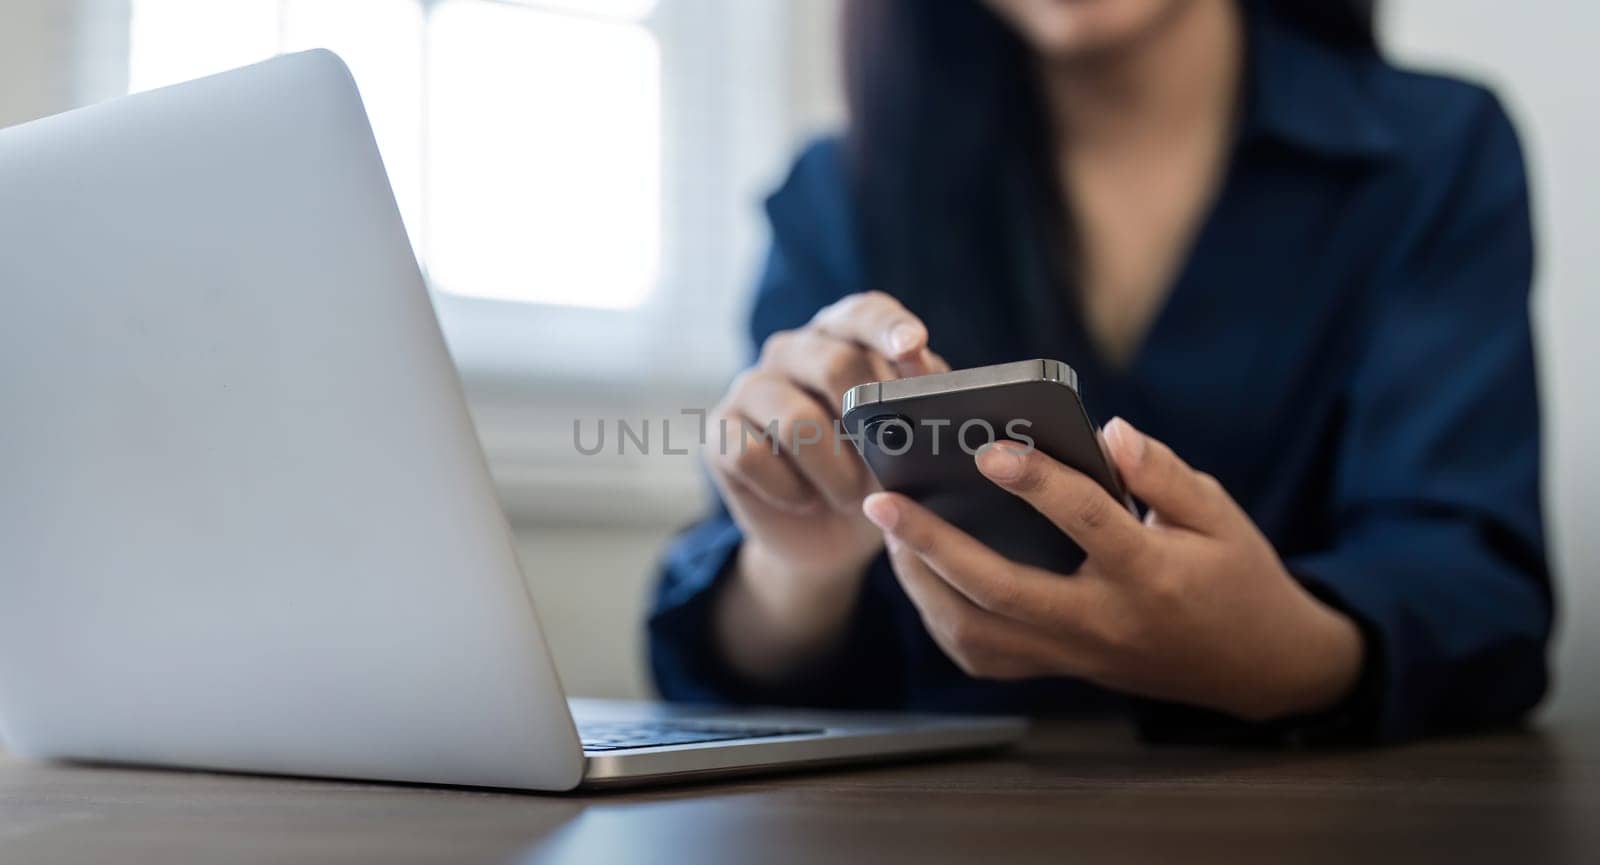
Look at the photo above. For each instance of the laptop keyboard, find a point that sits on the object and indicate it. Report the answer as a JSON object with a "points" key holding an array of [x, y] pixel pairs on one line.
{"points": [[620, 735]]}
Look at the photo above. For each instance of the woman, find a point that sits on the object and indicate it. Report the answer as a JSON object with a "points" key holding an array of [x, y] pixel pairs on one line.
{"points": [[1296, 275]]}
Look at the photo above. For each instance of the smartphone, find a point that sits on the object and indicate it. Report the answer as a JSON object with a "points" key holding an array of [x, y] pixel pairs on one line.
{"points": [[919, 437]]}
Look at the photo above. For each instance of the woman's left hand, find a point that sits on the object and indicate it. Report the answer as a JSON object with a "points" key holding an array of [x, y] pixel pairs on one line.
{"points": [[1193, 605]]}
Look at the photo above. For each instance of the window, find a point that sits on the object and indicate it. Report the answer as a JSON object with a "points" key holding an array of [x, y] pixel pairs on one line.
{"points": [[581, 180], [544, 138], [540, 121]]}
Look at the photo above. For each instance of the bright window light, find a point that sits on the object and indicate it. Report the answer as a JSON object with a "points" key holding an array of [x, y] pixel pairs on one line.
{"points": [[522, 139], [176, 40], [381, 42], [544, 145], [630, 10]]}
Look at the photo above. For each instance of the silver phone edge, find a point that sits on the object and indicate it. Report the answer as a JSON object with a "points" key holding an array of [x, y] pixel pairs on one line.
{"points": [[1018, 372]]}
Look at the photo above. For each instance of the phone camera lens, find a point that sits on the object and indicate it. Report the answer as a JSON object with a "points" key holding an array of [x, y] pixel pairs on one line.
{"points": [[890, 433]]}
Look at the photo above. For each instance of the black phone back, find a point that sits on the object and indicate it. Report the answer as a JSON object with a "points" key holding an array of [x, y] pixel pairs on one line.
{"points": [[919, 436]]}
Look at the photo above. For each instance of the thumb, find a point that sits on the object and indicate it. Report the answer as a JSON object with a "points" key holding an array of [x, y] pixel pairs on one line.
{"points": [[1178, 494]]}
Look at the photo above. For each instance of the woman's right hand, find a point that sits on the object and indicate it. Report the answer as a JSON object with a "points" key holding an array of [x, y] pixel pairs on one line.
{"points": [[798, 497]]}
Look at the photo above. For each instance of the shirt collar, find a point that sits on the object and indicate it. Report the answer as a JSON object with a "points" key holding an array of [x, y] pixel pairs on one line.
{"points": [[1311, 96]]}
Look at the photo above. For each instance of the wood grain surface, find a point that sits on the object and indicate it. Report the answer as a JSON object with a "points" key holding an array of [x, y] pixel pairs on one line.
{"points": [[1075, 792]]}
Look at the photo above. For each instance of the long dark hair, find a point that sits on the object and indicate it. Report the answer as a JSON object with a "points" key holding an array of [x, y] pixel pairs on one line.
{"points": [[950, 150]]}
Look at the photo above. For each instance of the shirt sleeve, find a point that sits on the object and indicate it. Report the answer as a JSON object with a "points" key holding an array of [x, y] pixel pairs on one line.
{"points": [[811, 263], [1440, 552]]}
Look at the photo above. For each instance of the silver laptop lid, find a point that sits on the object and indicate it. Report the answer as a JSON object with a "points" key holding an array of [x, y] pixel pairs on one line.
{"points": [[244, 520]]}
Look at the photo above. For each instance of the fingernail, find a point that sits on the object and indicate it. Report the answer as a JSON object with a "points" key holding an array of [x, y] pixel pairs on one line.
{"points": [[1000, 462], [1127, 441], [905, 337], [881, 510]]}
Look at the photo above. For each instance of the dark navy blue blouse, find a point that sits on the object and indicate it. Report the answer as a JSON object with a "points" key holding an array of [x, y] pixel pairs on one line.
{"points": [[1346, 348]]}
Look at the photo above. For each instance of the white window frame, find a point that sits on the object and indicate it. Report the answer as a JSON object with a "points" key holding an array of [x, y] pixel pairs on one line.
{"points": [[530, 369], [721, 63]]}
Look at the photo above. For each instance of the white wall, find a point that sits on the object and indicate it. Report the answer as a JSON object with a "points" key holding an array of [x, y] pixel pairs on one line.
{"points": [[41, 45], [32, 32], [592, 586]]}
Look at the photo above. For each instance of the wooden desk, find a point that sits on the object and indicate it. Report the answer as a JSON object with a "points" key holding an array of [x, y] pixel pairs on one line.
{"points": [[1074, 793]]}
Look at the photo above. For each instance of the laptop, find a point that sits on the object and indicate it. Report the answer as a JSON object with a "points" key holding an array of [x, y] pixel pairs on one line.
{"points": [[245, 522]]}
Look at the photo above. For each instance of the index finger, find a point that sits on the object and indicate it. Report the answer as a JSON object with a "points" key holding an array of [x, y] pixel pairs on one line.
{"points": [[987, 579], [881, 323]]}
